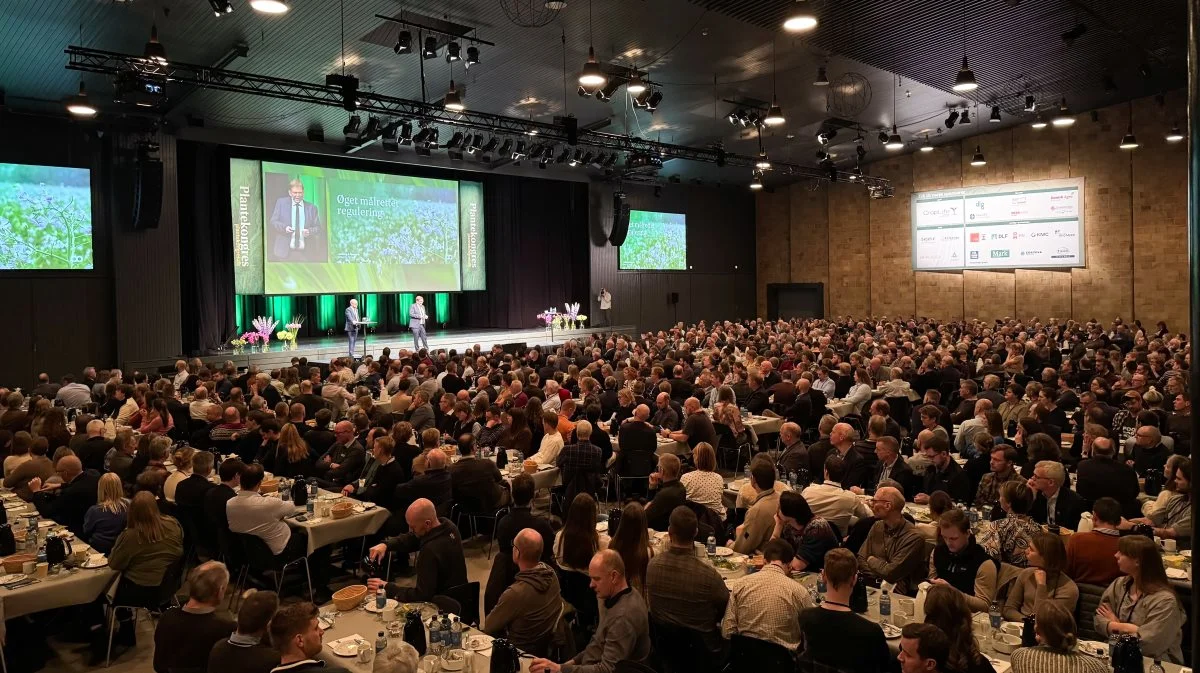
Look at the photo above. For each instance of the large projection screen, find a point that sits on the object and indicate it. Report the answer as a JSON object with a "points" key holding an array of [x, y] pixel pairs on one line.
{"points": [[1020, 225]]}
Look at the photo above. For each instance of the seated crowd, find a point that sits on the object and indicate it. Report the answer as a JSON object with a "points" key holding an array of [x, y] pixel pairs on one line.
{"points": [[1069, 443]]}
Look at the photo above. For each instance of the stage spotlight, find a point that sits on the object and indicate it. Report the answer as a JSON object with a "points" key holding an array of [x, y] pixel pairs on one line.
{"points": [[476, 144], [821, 155], [564, 156], [951, 119], [430, 48], [826, 136], [822, 78], [612, 160], [452, 52], [403, 43], [653, 101], [455, 141], [587, 159], [519, 153], [995, 118], [372, 126], [966, 117], [491, 145], [605, 93], [1030, 104], [883, 136], [861, 152], [220, 7], [506, 148], [406, 132], [733, 118], [576, 159], [472, 56], [351, 129]]}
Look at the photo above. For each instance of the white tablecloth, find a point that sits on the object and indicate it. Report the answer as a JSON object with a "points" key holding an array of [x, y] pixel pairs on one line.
{"points": [[328, 530]]}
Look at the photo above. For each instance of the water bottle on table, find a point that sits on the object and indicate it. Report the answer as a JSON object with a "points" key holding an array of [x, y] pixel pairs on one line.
{"points": [[711, 547], [885, 603], [994, 618]]}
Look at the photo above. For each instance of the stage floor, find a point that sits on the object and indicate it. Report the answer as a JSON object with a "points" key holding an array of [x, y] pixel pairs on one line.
{"points": [[322, 349]]}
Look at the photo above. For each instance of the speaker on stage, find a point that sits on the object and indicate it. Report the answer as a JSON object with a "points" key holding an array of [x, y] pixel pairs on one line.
{"points": [[673, 298], [147, 184], [620, 227]]}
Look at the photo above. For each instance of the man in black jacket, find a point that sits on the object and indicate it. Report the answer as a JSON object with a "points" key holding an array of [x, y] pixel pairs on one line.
{"points": [[1056, 503], [944, 474], [637, 444], [69, 502], [380, 476], [794, 456], [1103, 475], [440, 563], [345, 459], [890, 465], [94, 447], [666, 493], [758, 399], [215, 499], [312, 403], [858, 468], [476, 483], [434, 485]]}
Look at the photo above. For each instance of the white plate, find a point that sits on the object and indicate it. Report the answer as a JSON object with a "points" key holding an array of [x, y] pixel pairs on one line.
{"points": [[479, 642], [348, 646], [45, 523], [95, 561], [1094, 648], [1185, 552], [328, 496], [15, 577], [389, 605], [724, 551], [890, 631], [1176, 574]]}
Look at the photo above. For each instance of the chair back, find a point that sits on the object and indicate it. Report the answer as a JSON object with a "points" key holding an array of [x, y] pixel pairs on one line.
{"points": [[682, 650], [639, 464], [900, 410], [759, 656], [725, 437], [256, 552], [467, 596], [629, 666], [1085, 608], [575, 588], [446, 604]]}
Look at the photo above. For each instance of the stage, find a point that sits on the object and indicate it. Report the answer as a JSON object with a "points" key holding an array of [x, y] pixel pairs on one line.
{"points": [[322, 349]]}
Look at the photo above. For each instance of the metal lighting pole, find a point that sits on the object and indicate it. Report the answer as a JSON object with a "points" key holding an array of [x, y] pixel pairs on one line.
{"points": [[1193, 233]]}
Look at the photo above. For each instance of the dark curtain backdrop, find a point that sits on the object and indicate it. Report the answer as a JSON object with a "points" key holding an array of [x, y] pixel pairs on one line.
{"points": [[206, 247], [537, 254]]}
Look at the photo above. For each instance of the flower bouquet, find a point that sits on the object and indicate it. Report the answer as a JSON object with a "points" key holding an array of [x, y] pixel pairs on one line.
{"points": [[239, 345], [288, 339], [252, 339], [294, 326], [573, 318], [265, 327]]}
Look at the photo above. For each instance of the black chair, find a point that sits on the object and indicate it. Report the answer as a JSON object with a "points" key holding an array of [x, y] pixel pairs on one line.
{"points": [[164, 599], [751, 655], [576, 590], [447, 605], [467, 596], [1085, 610], [470, 510], [258, 555], [682, 650], [727, 443], [900, 409]]}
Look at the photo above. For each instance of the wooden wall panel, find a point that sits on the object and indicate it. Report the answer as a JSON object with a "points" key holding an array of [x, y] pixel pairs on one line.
{"points": [[892, 286], [808, 238], [849, 251], [773, 227]]}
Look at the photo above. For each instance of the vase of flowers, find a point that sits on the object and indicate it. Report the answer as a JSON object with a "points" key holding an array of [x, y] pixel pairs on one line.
{"points": [[287, 338], [239, 345], [253, 339], [293, 327], [265, 327]]}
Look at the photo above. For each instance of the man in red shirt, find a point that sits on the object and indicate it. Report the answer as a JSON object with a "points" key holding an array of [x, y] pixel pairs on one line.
{"points": [[1091, 556]]}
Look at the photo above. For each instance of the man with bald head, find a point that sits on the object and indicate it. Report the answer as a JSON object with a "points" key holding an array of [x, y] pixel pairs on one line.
{"points": [[624, 630], [665, 416], [527, 611], [636, 446], [440, 563], [893, 550], [435, 484], [345, 459], [857, 467], [68, 502]]}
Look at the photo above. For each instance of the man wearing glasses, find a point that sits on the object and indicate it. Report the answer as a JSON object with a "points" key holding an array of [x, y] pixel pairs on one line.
{"points": [[1056, 504], [68, 502]]}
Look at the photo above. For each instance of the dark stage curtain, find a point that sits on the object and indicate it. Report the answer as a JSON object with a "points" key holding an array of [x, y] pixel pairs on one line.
{"points": [[206, 247], [537, 256]]}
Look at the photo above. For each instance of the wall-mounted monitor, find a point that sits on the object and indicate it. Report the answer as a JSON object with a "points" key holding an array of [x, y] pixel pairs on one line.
{"points": [[655, 242]]}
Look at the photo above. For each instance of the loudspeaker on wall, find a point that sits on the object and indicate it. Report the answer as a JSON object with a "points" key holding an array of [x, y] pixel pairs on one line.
{"points": [[620, 226]]}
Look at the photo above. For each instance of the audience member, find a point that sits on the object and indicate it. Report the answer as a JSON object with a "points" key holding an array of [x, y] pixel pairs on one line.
{"points": [[1057, 646], [529, 608], [893, 551], [296, 633], [684, 591], [1091, 555], [1045, 579], [1142, 603], [835, 636], [961, 563], [186, 635], [440, 563], [764, 605], [247, 649]]}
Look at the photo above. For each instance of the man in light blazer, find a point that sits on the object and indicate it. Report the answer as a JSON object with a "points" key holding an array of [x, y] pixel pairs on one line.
{"points": [[352, 321], [416, 321], [297, 231]]}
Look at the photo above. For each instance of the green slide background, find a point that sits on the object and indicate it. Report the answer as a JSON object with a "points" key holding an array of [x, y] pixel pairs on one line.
{"points": [[656, 241], [45, 218], [410, 247], [245, 202]]}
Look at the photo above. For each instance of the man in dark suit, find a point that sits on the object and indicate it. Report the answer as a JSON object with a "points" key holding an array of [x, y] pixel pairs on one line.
{"points": [[215, 522], [345, 459], [891, 465], [637, 444], [858, 468], [69, 502], [758, 399], [476, 483], [1056, 503], [92, 450], [681, 388], [380, 476], [297, 231], [1103, 475], [608, 398], [435, 485]]}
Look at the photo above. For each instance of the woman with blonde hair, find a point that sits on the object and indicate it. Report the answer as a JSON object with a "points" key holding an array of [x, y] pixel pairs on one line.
{"points": [[183, 469], [143, 552], [704, 485], [105, 520], [292, 457]]}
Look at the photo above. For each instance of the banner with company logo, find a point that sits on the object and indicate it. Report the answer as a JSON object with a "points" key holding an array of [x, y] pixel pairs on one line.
{"points": [[1017, 225], [470, 222], [245, 202]]}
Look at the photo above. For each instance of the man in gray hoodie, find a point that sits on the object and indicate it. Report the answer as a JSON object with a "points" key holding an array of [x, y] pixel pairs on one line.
{"points": [[624, 631], [528, 610]]}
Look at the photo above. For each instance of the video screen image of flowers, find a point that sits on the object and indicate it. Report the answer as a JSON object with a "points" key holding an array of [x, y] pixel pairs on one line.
{"points": [[45, 218]]}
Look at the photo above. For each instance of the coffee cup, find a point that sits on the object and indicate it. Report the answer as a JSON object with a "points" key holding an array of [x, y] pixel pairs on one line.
{"points": [[41, 570], [28, 567], [366, 652], [1169, 545]]}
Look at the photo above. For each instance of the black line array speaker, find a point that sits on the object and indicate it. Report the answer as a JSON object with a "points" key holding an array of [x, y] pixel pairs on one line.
{"points": [[147, 184], [620, 226]]}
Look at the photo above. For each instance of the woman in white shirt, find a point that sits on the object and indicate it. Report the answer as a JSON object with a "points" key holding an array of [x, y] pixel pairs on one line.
{"points": [[183, 470], [860, 392], [704, 485]]}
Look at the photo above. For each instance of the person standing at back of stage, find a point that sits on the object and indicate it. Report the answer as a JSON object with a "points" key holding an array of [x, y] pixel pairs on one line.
{"points": [[605, 299], [416, 321], [352, 324]]}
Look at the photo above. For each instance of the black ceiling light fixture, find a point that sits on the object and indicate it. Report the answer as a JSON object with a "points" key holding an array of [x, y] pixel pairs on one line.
{"points": [[79, 104], [403, 43], [883, 136], [653, 101], [430, 48], [221, 7], [1129, 141], [453, 51], [351, 129], [965, 118], [964, 81], [756, 184], [1038, 122], [774, 113], [1174, 135], [894, 142], [1063, 118], [822, 77], [1030, 104], [925, 146], [472, 56], [453, 100], [952, 118], [591, 76], [977, 158], [154, 51], [995, 118]]}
